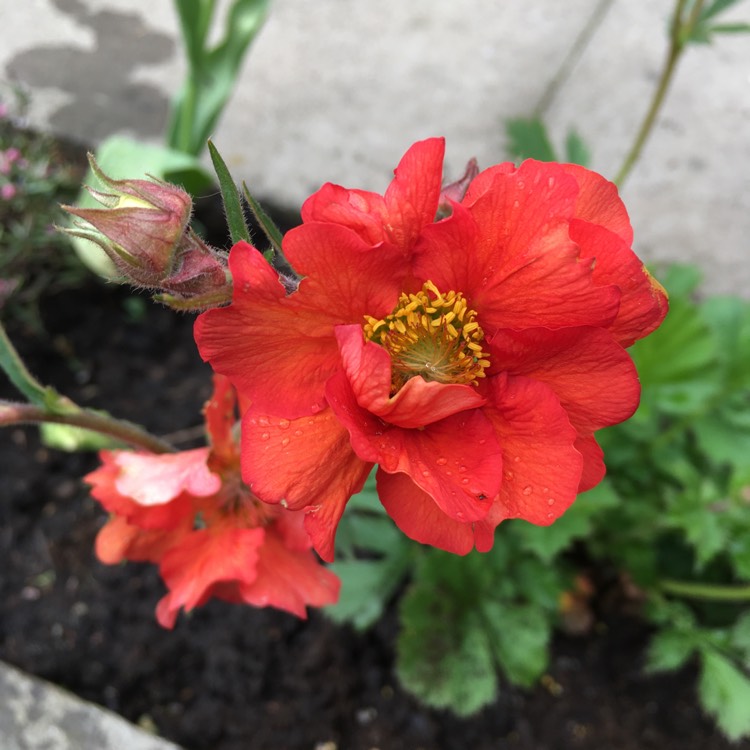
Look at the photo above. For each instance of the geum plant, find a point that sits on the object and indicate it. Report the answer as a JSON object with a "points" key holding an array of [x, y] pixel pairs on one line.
{"points": [[467, 340]]}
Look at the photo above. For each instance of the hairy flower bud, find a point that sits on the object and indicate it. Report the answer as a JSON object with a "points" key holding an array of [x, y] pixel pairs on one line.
{"points": [[144, 229]]}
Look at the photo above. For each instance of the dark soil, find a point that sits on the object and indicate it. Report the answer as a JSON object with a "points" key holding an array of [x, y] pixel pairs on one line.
{"points": [[236, 678]]}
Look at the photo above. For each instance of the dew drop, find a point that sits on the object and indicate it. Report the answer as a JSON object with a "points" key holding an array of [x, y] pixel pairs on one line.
{"points": [[283, 503], [283, 424], [550, 501], [264, 421], [482, 441], [460, 516], [316, 408], [517, 460], [509, 475], [465, 480], [425, 473], [527, 490], [545, 490], [448, 473], [297, 433], [550, 515], [285, 442], [516, 204], [265, 436], [442, 461], [462, 469], [311, 422]]}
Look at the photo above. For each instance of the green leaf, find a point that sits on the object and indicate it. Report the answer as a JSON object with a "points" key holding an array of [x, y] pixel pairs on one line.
{"points": [[528, 139], [713, 9], [444, 654], [721, 440], [272, 232], [546, 542], [669, 650], [576, 150], [212, 71], [724, 692], [519, 637], [740, 636], [124, 159], [230, 197]]}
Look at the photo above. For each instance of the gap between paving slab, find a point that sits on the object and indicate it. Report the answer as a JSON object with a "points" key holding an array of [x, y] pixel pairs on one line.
{"points": [[36, 715]]}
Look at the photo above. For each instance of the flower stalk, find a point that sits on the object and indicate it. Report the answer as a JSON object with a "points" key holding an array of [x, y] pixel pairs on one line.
{"points": [[680, 31], [709, 592]]}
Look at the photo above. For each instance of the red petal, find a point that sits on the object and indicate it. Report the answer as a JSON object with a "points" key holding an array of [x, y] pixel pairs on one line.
{"points": [[518, 268], [643, 304], [308, 463], [202, 559], [593, 462], [221, 416], [278, 350], [158, 479], [592, 375], [118, 540], [410, 202], [542, 468], [417, 404], [456, 460], [418, 516], [289, 579], [599, 203]]}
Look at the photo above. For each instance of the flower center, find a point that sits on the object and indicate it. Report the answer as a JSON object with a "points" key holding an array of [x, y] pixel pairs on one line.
{"points": [[433, 335]]}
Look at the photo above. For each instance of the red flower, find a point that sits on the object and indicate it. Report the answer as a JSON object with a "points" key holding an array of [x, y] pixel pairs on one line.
{"points": [[472, 358], [191, 513]]}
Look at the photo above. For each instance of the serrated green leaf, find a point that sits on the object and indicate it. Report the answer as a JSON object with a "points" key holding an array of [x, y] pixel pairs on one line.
{"points": [[740, 636], [724, 692], [722, 441], [230, 197], [576, 150], [519, 637], [669, 650], [444, 654], [528, 139]]}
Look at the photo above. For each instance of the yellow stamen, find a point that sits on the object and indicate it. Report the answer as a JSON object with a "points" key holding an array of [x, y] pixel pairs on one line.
{"points": [[432, 335]]}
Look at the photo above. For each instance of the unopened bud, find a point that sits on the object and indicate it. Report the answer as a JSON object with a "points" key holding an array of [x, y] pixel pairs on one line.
{"points": [[144, 229], [455, 191]]}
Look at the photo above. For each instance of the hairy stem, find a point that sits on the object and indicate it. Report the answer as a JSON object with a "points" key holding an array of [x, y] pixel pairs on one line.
{"points": [[706, 591]]}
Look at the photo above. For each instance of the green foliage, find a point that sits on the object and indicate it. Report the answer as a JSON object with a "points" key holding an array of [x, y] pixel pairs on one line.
{"points": [[527, 138], [704, 29], [212, 70], [495, 612]]}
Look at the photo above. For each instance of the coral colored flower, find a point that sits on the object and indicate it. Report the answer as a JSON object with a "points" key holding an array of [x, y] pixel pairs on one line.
{"points": [[471, 357], [191, 513]]}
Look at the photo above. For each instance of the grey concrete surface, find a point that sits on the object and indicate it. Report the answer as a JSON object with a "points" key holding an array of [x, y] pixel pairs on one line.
{"points": [[337, 90], [35, 715]]}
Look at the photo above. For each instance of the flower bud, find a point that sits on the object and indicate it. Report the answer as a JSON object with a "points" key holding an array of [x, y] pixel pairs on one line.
{"points": [[143, 228], [455, 191]]}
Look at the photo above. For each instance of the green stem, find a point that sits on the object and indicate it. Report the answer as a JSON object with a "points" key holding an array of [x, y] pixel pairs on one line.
{"points": [[679, 33], [13, 413], [15, 369], [706, 591]]}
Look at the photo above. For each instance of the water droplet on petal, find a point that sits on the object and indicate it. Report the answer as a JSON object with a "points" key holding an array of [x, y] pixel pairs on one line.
{"points": [[316, 408], [442, 461], [297, 433], [509, 475], [285, 442], [265, 436], [264, 421], [517, 460], [482, 441], [283, 424], [465, 480], [527, 490], [448, 473], [425, 473], [550, 501], [545, 490], [462, 468], [284, 504]]}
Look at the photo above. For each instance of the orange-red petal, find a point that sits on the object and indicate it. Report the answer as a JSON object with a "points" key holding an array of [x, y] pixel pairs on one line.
{"points": [[308, 463]]}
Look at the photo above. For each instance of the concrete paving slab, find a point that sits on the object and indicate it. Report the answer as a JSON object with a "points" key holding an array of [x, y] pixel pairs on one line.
{"points": [[36, 715], [337, 89]]}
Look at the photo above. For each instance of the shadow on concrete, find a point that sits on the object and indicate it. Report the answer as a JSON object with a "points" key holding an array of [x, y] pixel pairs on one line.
{"points": [[104, 98]]}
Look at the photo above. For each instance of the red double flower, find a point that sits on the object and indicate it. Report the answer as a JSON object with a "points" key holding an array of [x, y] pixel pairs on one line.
{"points": [[471, 357], [191, 513]]}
